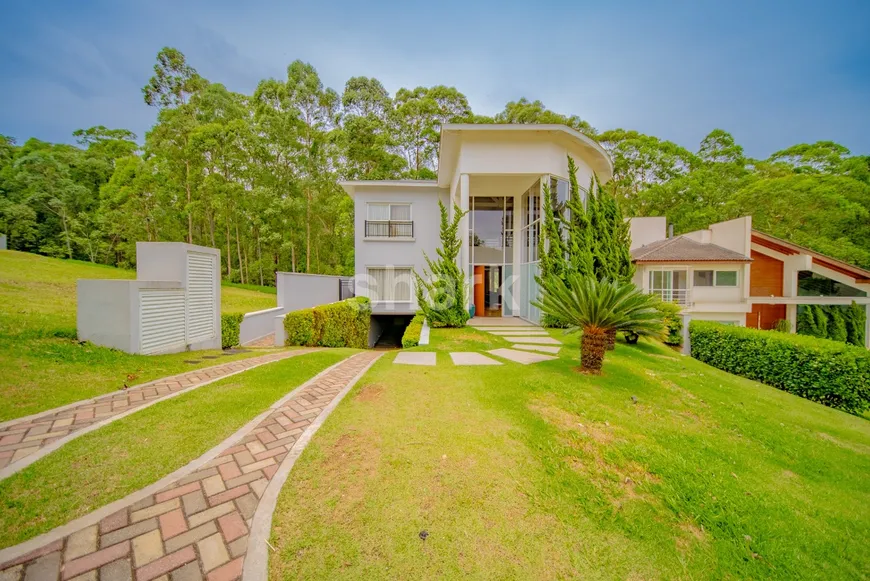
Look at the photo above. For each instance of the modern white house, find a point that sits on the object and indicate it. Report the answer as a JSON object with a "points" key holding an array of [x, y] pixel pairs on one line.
{"points": [[727, 272], [497, 173]]}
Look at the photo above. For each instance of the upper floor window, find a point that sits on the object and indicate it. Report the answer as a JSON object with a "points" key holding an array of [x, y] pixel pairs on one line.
{"points": [[715, 278], [386, 220]]}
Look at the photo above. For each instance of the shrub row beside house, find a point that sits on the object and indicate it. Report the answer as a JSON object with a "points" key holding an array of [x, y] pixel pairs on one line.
{"points": [[832, 373], [342, 324]]}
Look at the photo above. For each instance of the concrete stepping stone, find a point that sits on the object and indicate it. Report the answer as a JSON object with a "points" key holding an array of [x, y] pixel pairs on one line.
{"points": [[472, 358], [524, 357], [496, 329], [504, 333], [415, 358], [542, 348], [532, 340]]}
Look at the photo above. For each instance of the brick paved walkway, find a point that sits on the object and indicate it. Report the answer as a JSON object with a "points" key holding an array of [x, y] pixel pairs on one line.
{"points": [[197, 527], [24, 441]]}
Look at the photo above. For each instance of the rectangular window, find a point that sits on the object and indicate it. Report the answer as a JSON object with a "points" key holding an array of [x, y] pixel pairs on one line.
{"points": [[726, 278], [385, 220], [703, 278], [390, 284]]}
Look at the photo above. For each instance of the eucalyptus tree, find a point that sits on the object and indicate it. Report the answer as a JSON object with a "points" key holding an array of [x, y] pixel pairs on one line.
{"points": [[296, 117], [365, 134], [170, 90], [419, 115]]}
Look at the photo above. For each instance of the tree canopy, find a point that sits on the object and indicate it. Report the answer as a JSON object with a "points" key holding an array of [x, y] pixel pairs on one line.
{"points": [[257, 175]]}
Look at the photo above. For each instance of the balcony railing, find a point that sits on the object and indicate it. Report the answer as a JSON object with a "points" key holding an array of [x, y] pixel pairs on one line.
{"points": [[681, 296], [389, 229]]}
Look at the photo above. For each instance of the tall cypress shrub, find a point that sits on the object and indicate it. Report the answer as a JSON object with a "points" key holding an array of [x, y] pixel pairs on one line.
{"points": [[837, 327], [856, 318], [821, 321], [579, 228], [442, 297], [806, 322]]}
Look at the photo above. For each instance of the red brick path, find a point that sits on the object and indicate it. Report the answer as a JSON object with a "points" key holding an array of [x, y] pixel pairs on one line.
{"points": [[18, 440], [196, 528]]}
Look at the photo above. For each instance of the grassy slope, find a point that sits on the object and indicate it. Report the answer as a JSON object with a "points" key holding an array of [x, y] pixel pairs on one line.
{"points": [[42, 367], [539, 472], [124, 456]]}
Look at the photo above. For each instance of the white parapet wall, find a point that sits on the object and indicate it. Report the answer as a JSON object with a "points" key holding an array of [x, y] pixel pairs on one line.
{"points": [[173, 306]]}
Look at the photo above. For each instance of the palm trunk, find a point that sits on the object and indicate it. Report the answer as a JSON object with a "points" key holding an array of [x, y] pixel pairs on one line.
{"points": [[611, 339], [592, 349]]}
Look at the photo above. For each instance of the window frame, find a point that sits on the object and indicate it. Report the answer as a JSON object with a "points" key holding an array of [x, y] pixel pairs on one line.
{"points": [[736, 279], [394, 267], [390, 206]]}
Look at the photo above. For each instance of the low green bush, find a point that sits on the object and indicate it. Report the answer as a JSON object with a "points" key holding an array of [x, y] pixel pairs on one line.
{"points": [[342, 324], [411, 337], [828, 372], [673, 322], [299, 328], [230, 325]]}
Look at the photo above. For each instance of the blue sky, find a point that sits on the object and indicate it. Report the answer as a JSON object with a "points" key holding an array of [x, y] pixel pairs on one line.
{"points": [[771, 73]]}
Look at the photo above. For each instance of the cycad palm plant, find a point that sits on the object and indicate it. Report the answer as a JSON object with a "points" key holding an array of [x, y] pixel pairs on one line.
{"points": [[596, 308]]}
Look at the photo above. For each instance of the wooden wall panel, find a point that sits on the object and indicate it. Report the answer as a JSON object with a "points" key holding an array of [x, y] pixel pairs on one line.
{"points": [[765, 276]]}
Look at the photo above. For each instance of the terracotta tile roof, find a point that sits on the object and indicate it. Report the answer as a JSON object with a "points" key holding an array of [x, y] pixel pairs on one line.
{"points": [[682, 249]]}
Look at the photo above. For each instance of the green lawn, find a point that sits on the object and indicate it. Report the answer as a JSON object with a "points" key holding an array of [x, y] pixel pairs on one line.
{"points": [[539, 472], [109, 463], [44, 366]]}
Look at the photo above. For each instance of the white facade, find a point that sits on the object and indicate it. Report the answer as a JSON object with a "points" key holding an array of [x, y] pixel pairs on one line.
{"points": [[502, 167]]}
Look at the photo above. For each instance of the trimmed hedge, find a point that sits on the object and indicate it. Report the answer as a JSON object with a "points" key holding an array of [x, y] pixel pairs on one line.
{"points": [[831, 373], [230, 325], [342, 324], [411, 337]]}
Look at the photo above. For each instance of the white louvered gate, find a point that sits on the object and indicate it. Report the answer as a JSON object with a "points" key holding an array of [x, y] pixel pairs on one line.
{"points": [[161, 320], [200, 297]]}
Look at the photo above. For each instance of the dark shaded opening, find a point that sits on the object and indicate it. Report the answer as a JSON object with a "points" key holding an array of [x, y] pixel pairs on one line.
{"points": [[389, 330]]}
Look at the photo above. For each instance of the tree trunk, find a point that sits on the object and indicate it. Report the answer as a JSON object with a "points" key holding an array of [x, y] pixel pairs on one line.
{"points": [[239, 251], [592, 348], [308, 232], [259, 257], [611, 339], [189, 214], [292, 257], [211, 228], [66, 233], [229, 255]]}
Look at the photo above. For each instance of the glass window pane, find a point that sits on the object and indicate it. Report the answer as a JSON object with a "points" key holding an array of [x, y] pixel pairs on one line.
{"points": [[726, 278], [703, 278], [400, 212], [378, 211]]}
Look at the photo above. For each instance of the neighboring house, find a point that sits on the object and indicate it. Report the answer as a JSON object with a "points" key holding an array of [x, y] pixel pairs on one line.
{"points": [[497, 173], [733, 274]]}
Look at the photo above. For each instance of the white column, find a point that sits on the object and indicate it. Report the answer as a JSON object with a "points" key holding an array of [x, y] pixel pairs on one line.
{"points": [[517, 289], [465, 255], [791, 315]]}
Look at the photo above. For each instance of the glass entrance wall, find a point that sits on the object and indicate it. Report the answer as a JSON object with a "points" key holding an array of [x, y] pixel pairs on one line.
{"points": [[530, 206], [491, 239]]}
